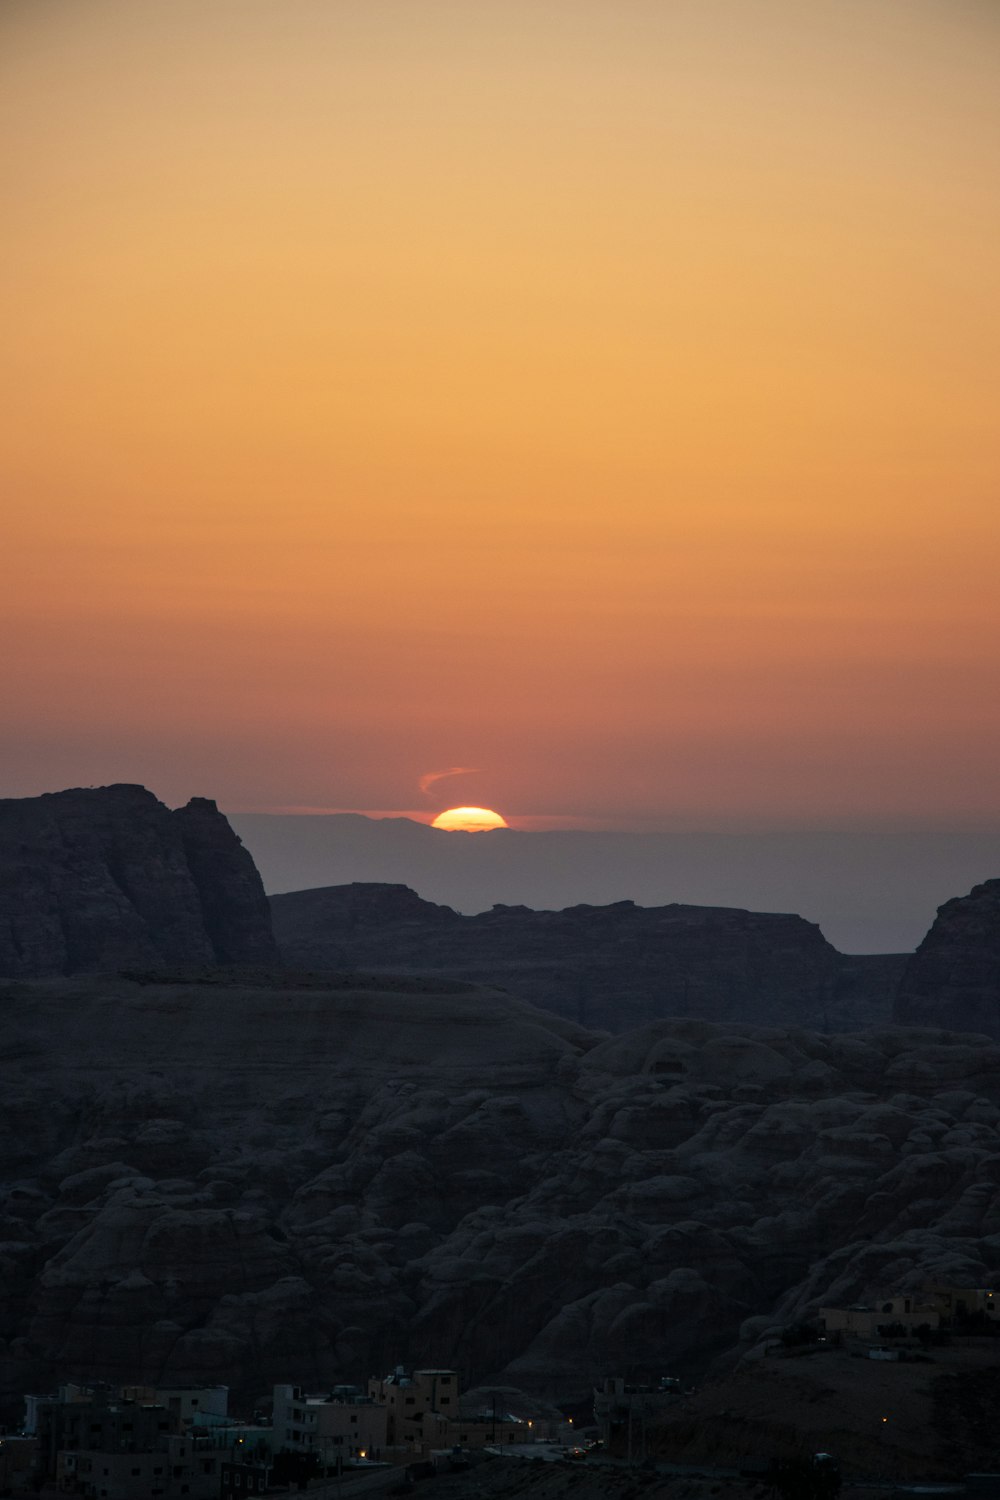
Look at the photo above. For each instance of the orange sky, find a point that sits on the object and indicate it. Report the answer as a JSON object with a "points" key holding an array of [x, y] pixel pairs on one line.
{"points": [[602, 395]]}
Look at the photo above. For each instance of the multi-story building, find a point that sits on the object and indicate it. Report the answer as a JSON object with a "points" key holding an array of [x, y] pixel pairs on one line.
{"points": [[94, 1421], [401, 1417], [619, 1403], [175, 1468], [424, 1411], [193, 1403], [342, 1423], [418, 1406], [108, 1444], [238, 1480]]}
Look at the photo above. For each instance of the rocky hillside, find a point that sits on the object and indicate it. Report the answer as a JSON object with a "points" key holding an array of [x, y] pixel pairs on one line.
{"points": [[609, 967], [953, 979], [311, 1182], [104, 878]]}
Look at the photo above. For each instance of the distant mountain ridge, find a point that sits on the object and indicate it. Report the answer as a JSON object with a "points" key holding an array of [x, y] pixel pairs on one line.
{"points": [[101, 878], [871, 891], [610, 967]]}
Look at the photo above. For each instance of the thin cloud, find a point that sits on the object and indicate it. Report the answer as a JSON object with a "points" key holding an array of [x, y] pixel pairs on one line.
{"points": [[429, 777]]}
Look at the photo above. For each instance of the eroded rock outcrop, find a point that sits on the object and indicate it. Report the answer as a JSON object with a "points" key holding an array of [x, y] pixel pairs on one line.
{"points": [[105, 878], [953, 979], [310, 1182], [609, 967]]}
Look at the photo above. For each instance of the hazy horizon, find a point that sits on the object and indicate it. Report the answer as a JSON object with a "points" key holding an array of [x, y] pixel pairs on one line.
{"points": [[870, 892]]}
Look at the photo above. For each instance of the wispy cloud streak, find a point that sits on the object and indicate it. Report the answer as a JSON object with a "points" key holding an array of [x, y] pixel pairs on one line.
{"points": [[429, 777]]}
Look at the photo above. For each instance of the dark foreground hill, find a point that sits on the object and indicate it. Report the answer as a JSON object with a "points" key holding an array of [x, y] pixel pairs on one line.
{"points": [[610, 967], [312, 1181], [107, 877]]}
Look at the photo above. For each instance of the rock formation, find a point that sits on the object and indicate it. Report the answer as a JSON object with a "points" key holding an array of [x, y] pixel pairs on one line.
{"points": [[953, 979], [104, 878], [311, 1181], [610, 967]]}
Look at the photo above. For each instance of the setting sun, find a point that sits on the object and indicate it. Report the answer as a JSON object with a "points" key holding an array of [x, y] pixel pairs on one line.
{"points": [[468, 820]]}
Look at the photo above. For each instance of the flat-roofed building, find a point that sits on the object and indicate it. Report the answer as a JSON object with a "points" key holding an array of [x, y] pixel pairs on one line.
{"points": [[341, 1423]]}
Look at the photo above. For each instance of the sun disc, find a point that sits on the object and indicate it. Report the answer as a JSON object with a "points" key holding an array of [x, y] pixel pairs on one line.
{"points": [[468, 820]]}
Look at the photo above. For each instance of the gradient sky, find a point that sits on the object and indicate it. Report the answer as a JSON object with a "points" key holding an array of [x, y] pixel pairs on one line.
{"points": [[601, 395]]}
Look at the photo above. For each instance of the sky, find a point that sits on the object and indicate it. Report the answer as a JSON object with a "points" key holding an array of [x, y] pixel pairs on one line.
{"points": [[602, 397]]}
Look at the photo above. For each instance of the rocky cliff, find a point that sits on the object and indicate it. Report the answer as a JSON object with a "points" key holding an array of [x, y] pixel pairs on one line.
{"points": [[310, 1182], [105, 878], [953, 979], [610, 967]]}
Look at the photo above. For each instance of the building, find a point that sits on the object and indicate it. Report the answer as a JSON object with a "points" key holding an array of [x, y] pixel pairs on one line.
{"points": [[905, 1310], [176, 1468], [424, 1412], [194, 1403], [64, 1395], [622, 1404], [102, 1422], [343, 1424], [958, 1303], [18, 1463], [116, 1444], [418, 1406], [237, 1480], [936, 1305]]}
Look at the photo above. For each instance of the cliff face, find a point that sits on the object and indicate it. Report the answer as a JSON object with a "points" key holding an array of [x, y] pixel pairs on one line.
{"points": [[106, 878], [953, 979], [603, 966]]}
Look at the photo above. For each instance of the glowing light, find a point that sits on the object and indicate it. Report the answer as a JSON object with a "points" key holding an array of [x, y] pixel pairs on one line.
{"points": [[468, 820]]}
